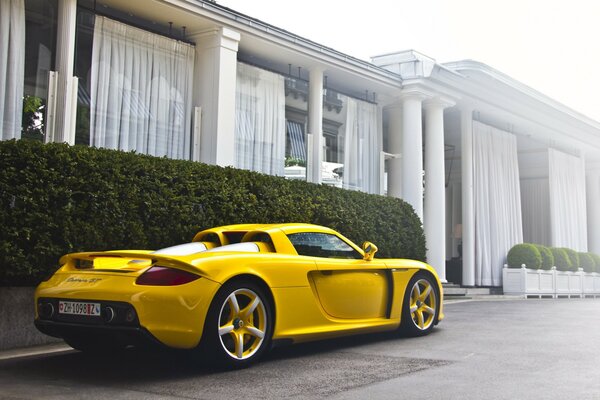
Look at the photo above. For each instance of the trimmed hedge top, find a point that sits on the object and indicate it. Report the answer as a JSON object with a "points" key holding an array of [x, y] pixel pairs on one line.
{"points": [[547, 257], [57, 199], [524, 253], [573, 258], [562, 258], [587, 262]]}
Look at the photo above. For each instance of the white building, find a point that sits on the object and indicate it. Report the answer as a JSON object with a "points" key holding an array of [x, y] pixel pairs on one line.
{"points": [[486, 161]]}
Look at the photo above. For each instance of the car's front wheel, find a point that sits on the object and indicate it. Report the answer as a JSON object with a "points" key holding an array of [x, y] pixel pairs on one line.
{"points": [[239, 324], [421, 305]]}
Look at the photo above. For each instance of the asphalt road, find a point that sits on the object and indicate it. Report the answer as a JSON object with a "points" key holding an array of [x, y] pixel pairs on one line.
{"points": [[500, 349]]}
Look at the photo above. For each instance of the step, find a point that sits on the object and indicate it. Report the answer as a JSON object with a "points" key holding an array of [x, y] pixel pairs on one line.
{"points": [[462, 291]]}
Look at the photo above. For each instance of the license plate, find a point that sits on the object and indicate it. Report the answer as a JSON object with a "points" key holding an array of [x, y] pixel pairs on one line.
{"points": [[78, 308]]}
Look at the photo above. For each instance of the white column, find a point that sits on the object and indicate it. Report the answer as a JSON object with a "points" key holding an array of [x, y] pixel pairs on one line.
{"points": [[62, 129], [381, 172], [435, 194], [394, 188], [468, 211], [315, 125], [449, 224], [456, 227], [412, 152], [593, 211], [215, 79]]}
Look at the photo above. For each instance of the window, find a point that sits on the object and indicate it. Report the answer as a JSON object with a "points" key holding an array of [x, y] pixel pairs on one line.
{"points": [[322, 245], [39, 53], [259, 120], [134, 89]]}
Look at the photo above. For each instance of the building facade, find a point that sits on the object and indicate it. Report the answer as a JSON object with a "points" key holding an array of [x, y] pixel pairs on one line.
{"points": [[485, 161]]}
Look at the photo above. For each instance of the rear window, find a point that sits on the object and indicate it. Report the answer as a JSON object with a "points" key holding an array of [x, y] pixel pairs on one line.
{"points": [[246, 247], [182, 249]]}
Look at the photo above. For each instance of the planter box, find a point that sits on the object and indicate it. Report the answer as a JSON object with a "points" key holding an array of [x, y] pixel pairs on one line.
{"points": [[550, 283], [524, 281], [569, 284], [591, 284]]}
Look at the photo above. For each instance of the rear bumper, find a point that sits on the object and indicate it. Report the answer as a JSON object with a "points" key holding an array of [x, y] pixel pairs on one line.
{"points": [[130, 335], [172, 315]]}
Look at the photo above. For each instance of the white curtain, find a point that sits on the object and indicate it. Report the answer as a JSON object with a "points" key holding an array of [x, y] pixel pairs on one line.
{"points": [[259, 120], [535, 201], [141, 91], [12, 67], [497, 201], [567, 200], [362, 147]]}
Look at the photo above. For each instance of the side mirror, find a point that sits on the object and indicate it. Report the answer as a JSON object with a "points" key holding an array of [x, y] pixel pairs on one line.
{"points": [[370, 249]]}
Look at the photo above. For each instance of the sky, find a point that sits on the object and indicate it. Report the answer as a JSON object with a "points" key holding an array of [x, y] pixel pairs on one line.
{"points": [[550, 45]]}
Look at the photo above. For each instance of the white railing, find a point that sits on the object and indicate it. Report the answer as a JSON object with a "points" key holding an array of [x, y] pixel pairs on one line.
{"points": [[550, 283]]}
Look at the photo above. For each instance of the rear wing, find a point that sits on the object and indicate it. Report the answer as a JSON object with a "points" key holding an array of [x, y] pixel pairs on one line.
{"points": [[125, 261]]}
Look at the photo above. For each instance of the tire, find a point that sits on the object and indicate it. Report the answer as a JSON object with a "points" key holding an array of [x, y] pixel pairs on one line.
{"points": [[239, 325], [421, 305]]}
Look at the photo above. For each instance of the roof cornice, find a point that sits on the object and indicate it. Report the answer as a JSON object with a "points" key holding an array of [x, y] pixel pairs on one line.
{"points": [[246, 24], [500, 77]]}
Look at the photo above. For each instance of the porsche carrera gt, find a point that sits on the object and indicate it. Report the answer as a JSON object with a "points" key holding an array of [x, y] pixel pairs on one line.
{"points": [[235, 291]]}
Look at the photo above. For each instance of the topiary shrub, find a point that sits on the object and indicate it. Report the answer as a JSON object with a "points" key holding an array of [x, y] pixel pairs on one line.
{"points": [[587, 262], [57, 199], [524, 253], [574, 258], [561, 259], [547, 257], [596, 259]]}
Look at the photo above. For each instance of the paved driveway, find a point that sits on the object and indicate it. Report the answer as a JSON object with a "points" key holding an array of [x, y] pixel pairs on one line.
{"points": [[517, 349]]}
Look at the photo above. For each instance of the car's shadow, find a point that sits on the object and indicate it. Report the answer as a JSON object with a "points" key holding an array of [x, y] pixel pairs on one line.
{"points": [[143, 365]]}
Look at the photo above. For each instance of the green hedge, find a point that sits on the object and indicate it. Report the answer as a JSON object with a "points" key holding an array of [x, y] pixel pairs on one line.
{"points": [[587, 262], [524, 253], [536, 256], [561, 259], [547, 257], [596, 259], [573, 258], [56, 199]]}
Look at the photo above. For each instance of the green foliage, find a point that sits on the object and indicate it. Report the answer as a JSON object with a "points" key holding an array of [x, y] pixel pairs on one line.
{"points": [[33, 118], [547, 257], [573, 258], [596, 259], [524, 253], [561, 259], [587, 262], [292, 161], [56, 199]]}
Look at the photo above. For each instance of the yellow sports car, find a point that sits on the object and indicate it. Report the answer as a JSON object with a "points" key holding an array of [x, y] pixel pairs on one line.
{"points": [[235, 291]]}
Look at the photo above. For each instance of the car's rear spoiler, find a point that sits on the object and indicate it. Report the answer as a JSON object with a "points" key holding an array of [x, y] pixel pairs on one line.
{"points": [[162, 260]]}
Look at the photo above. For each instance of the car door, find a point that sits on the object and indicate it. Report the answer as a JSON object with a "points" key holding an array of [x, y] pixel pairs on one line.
{"points": [[347, 286]]}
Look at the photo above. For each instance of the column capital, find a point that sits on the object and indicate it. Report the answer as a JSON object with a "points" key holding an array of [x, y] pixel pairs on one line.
{"points": [[593, 168], [438, 102], [466, 106], [217, 37], [414, 94], [316, 69]]}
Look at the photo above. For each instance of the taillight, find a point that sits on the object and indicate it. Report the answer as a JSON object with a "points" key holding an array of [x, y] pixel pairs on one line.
{"points": [[163, 276]]}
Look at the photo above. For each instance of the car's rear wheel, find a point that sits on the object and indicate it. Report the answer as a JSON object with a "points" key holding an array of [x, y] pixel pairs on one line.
{"points": [[239, 324], [421, 305]]}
